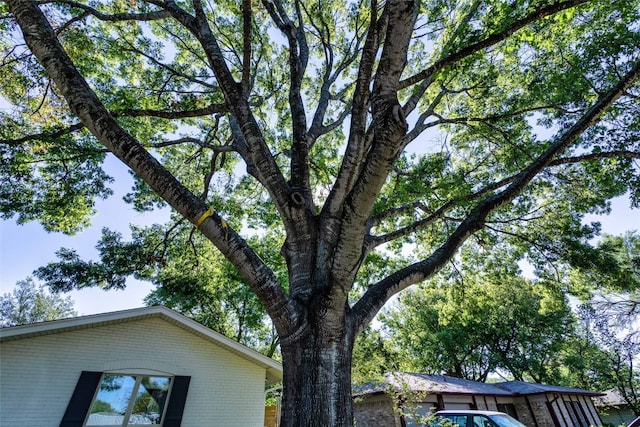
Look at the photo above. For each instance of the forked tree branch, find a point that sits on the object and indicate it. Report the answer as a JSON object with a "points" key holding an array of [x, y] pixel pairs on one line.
{"points": [[374, 241], [255, 151], [389, 127], [379, 293], [331, 74], [360, 108], [116, 17], [298, 61]]}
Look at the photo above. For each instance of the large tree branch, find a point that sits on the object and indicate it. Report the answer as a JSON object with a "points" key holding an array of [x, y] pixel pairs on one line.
{"points": [[300, 179], [378, 294], [116, 17], [389, 127], [355, 151], [491, 40], [44, 135], [439, 213], [82, 101], [131, 112], [487, 119], [246, 46], [433, 216], [616, 154], [184, 114], [255, 151], [298, 60]]}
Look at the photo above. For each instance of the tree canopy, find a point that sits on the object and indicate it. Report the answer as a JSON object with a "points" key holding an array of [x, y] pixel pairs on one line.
{"points": [[487, 325], [366, 141], [612, 312]]}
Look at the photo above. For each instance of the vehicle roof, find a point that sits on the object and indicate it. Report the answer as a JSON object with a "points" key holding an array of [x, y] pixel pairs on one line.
{"points": [[469, 411]]}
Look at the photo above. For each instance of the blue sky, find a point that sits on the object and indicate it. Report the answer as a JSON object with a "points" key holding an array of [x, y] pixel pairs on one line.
{"points": [[23, 248]]}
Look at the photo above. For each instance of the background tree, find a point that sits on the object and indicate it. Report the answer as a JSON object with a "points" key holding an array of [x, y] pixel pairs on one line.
{"points": [[611, 312], [201, 284], [583, 363], [102, 406], [29, 303], [372, 357], [480, 325], [534, 107], [608, 278], [190, 277], [618, 356]]}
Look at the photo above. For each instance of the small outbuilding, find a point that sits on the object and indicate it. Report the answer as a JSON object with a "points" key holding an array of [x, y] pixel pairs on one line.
{"points": [[614, 409], [401, 397], [143, 366]]}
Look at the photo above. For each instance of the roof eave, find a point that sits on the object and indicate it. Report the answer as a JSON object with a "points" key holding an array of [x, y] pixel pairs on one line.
{"points": [[272, 367]]}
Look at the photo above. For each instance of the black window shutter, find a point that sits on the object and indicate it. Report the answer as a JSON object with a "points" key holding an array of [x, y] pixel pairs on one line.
{"points": [[81, 399], [177, 400]]}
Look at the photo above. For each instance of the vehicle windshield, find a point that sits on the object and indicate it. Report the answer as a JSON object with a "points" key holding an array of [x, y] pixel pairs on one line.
{"points": [[506, 421]]}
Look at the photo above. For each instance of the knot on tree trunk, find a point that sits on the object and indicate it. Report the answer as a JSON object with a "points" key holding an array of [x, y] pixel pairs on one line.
{"points": [[390, 119], [293, 336], [297, 198], [397, 115]]}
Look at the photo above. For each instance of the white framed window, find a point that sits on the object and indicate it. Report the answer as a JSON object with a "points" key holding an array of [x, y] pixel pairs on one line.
{"points": [[129, 399]]}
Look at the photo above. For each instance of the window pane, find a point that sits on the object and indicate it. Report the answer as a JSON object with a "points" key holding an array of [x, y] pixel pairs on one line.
{"points": [[506, 421], [456, 420], [110, 405], [150, 400], [481, 421]]}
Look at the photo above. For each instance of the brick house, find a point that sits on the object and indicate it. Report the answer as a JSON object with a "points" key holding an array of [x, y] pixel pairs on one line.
{"points": [[391, 403], [143, 366]]}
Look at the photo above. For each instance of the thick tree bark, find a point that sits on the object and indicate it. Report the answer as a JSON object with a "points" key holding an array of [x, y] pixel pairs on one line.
{"points": [[317, 374]]}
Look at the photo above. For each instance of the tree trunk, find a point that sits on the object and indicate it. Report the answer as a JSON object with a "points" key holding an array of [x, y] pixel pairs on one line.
{"points": [[317, 377]]}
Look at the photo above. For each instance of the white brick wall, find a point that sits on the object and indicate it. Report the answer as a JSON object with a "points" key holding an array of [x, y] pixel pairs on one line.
{"points": [[38, 375]]}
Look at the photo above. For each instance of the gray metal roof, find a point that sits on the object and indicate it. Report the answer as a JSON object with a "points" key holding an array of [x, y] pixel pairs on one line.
{"points": [[443, 384], [524, 388], [431, 384]]}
